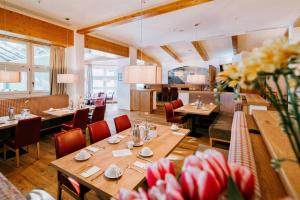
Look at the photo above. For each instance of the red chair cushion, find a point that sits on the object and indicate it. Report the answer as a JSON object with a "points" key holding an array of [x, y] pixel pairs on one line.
{"points": [[98, 131], [122, 123]]}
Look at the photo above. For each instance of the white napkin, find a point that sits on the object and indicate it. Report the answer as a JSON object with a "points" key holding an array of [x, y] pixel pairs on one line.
{"points": [[89, 172], [120, 136], [141, 164], [121, 153], [92, 149], [178, 134]]}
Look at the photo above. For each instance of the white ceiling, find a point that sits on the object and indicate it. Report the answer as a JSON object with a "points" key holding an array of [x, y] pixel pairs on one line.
{"points": [[218, 20]]}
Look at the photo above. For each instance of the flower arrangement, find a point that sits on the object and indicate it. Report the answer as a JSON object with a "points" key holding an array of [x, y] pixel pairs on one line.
{"points": [[204, 176], [276, 59]]}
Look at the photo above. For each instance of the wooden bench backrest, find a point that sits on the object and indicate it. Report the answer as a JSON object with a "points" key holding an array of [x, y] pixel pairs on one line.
{"points": [[36, 104]]}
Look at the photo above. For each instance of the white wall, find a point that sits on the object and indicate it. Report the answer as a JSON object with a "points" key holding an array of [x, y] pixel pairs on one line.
{"points": [[75, 65], [123, 88]]}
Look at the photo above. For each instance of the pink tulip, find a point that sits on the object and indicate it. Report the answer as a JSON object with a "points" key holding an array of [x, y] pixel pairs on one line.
{"points": [[244, 179], [165, 166], [192, 161], [132, 195], [189, 185], [208, 188], [153, 174]]}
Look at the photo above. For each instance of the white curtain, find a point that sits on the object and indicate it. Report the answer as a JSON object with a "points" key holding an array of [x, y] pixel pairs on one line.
{"points": [[89, 82]]}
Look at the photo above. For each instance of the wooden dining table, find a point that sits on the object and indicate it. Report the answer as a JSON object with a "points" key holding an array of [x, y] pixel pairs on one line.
{"points": [[6, 123], [162, 146], [61, 112], [191, 108]]}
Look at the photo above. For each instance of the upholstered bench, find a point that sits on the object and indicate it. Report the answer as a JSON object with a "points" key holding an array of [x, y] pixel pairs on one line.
{"points": [[240, 150], [220, 129]]}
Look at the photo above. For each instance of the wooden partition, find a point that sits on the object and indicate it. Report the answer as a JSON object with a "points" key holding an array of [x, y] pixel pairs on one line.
{"points": [[36, 104]]}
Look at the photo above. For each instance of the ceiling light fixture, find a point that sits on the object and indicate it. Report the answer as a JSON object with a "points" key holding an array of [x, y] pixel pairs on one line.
{"points": [[150, 72]]}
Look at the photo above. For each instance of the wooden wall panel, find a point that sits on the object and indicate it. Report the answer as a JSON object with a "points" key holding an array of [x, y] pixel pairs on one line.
{"points": [[21, 24]]}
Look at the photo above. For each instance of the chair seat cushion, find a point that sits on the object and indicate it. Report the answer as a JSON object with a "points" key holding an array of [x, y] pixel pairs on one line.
{"points": [[67, 126], [221, 126], [72, 184]]}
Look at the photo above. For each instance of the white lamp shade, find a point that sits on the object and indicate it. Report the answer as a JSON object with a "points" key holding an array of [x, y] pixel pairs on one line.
{"points": [[10, 77], [196, 79], [66, 78], [142, 74]]}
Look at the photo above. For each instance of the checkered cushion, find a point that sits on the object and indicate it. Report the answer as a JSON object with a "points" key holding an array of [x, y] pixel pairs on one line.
{"points": [[8, 190], [240, 151]]}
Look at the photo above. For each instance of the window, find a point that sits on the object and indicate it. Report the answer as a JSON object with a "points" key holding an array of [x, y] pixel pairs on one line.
{"points": [[33, 61]]}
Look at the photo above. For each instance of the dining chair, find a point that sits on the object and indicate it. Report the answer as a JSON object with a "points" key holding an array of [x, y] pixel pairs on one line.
{"points": [[98, 114], [80, 120], [175, 104], [66, 143], [173, 93], [99, 102], [122, 123], [98, 131], [171, 117], [180, 102], [165, 93], [27, 132]]}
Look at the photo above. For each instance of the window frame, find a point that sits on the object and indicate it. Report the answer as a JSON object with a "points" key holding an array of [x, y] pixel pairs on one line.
{"points": [[29, 67]]}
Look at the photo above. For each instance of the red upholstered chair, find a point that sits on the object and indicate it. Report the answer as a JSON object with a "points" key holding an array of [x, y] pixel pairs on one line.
{"points": [[27, 132], [165, 93], [180, 103], [100, 102], [98, 114], [175, 104], [66, 143], [98, 131], [173, 93], [80, 120], [122, 123], [178, 119]]}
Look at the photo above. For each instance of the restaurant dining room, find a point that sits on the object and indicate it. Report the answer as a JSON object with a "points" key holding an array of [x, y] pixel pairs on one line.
{"points": [[149, 99]]}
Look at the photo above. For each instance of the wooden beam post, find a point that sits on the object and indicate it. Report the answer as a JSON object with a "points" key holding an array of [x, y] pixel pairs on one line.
{"points": [[143, 14], [147, 58], [201, 50], [235, 47], [171, 52]]}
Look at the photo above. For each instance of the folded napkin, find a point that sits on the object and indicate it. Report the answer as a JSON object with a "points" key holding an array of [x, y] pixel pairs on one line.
{"points": [[178, 134], [121, 153], [141, 165], [89, 172], [92, 149], [120, 136]]}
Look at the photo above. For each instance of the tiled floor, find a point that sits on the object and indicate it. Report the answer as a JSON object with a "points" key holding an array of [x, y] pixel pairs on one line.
{"points": [[34, 173]]}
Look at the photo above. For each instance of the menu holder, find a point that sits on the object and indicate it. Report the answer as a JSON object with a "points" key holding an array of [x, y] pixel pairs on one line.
{"points": [[121, 153], [89, 172]]}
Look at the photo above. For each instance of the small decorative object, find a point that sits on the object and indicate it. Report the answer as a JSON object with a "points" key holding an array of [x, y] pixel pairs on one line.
{"points": [[11, 113], [206, 175], [136, 135], [276, 59]]}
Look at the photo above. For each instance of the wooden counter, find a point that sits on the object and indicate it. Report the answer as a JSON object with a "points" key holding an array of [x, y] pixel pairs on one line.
{"points": [[255, 102], [278, 146], [143, 100]]}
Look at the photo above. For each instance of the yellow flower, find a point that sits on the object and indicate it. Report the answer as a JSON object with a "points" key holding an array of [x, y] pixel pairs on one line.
{"points": [[292, 83], [233, 83]]}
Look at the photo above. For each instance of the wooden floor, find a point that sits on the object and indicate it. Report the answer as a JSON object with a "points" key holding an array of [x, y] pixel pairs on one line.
{"points": [[34, 173]]}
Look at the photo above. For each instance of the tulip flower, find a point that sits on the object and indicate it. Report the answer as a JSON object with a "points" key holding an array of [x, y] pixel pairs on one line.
{"points": [[165, 166], [125, 194], [244, 179], [208, 188], [158, 170], [192, 161], [153, 174]]}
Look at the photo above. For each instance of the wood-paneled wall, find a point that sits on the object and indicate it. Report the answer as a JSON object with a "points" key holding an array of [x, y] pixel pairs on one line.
{"points": [[36, 104], [21, 24]]}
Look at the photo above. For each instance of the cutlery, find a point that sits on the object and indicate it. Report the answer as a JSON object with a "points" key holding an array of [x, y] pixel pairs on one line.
{"points": [[139, 171], [97, 176], [139, 157], [84, 168]]}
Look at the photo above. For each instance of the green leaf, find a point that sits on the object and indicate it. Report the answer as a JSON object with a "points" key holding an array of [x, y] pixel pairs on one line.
{"points": [[233, 191]]}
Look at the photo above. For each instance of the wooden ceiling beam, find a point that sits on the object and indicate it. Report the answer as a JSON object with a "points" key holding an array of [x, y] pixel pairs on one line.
{"points": [[235, 46], [143, 14], [147, 58], [297, 23], [171, 52], [117, 49], [201, 50]]}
